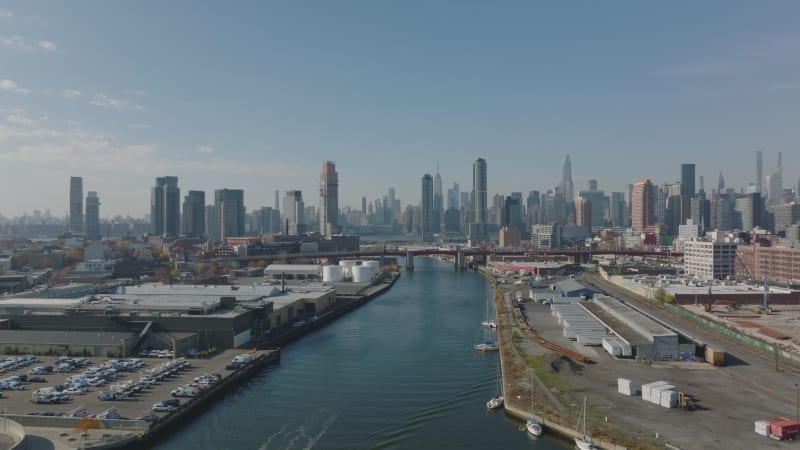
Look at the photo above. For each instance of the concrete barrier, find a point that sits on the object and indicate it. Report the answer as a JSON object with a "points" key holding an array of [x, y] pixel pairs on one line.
{"points": [[13, 430]]}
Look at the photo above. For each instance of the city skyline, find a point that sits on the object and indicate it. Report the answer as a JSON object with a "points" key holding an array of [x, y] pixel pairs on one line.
{"points": [[243, 99]]}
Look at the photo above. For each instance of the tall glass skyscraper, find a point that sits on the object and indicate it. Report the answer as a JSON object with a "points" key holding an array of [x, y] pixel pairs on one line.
{"points": [[165, 207], [76, 205], [426, 206]]}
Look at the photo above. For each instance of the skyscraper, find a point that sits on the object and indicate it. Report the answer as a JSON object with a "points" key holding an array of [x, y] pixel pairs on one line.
{"points": [[293, 214], [76, 205], [453, 196], [774, 184], [277, 200], [720, 183], [642, 207], [596, 199], [687, 180], [165, 207], [480, 191], [617, 209], [583, 213], [229, 205], [194, 218], [438, 201], [759, 170], [329, 199], [567, 188], [426, 206], [92, 216]]}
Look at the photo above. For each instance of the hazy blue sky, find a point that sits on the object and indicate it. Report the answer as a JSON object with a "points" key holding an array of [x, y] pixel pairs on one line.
{"points": [[255, 95]]}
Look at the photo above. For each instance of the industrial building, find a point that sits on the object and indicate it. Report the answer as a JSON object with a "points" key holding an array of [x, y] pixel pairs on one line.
{"points": [[212, 316], [571, 288]]}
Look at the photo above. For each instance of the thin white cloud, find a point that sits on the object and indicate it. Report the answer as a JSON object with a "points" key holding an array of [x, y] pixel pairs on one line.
{"points": [[139, 126], [20, 42], [109, 102], [205, 149], [139, 108], [8, 85], [15, 41], [47, 45], [21, 119], [4, 14], [71, 93]]}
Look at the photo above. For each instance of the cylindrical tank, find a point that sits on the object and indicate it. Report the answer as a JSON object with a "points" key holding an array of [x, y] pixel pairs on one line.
{"points": [[346, 266], [331, 273], [362, 274]]}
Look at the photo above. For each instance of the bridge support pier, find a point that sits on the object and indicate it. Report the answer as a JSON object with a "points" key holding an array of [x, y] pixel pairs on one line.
{"points": [[409, 260], [460, 263]]}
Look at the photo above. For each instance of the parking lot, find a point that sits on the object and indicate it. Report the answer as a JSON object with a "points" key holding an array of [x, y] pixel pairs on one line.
{"points": [[129, 387]]}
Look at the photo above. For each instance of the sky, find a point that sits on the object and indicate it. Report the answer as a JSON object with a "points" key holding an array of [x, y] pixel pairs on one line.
{"points": [[255, 95]]}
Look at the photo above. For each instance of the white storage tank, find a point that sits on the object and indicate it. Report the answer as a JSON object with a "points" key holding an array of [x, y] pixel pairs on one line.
{"points": [[362, 274], [332, 273], [347, 266]]}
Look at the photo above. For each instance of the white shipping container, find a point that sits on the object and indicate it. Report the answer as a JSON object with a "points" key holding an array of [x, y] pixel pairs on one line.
{"points": [[647, 389], [669, 399], [762, 427], [584, 339], [655, 392]]}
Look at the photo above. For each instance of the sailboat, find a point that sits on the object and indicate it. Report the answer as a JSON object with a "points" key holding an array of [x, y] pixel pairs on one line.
{"points": [[533, 426], [497, 401], [583, 442], [487, 322], [485, 341]]}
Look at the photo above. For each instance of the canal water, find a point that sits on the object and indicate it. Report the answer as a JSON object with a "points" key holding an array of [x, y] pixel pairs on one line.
{"points": [[398, 373]]}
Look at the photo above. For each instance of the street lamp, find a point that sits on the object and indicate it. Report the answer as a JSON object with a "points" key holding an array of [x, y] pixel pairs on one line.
{"points": [[797, 388]]}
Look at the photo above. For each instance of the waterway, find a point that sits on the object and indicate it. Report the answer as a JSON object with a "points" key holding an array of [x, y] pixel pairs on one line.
{"points": [[397, 373]]}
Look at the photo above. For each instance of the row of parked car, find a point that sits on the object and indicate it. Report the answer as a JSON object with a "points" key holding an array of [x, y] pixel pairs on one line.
{"points": [[197, 385], [16, 362], [82, 383], [156, 353], [151, 377]]}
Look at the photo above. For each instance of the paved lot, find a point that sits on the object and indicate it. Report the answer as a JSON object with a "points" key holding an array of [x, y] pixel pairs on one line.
{"points": [[19, 402], [729, 399]]}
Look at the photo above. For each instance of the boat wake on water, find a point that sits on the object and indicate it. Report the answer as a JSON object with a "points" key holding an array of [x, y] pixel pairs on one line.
{"points": [[304, 437]]}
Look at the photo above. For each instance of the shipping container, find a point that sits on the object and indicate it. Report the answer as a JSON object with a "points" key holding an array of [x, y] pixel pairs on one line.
{"points": [[763, 426], [785, 429], [715, 356], [669, 399], [655, 392]]}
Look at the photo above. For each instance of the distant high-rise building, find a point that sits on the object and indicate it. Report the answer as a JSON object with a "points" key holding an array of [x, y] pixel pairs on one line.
{"points": [[426, 206], [720, 183], [687, 180], [364, 205], [267, 220], [293, 214], [642, 208], [453, 196], [749, 211], [774, 184], [567, 188], [583, 212], [76, 205], [194, 214], [480, 191], [92, 216], [229, 204], [617, 209], [464, 200], [596, 199], [165, 207], [759, 170], [438, 202], [277, 200], [329, 199], [212, 222]]}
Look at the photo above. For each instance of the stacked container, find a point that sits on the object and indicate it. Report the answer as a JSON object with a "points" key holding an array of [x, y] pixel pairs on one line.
{"points": [[656, 391], [784, 429], [763, 426], [669, 398]]}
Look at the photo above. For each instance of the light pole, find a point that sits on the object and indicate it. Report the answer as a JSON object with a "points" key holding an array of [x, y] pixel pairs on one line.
{"points": [[797, 388]]}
